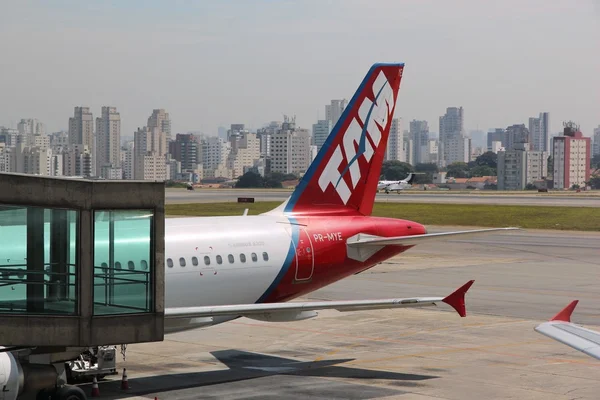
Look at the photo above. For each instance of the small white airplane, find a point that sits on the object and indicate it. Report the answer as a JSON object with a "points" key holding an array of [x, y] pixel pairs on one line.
{"points": [[561, 329], [396, 186], [221, 268]]}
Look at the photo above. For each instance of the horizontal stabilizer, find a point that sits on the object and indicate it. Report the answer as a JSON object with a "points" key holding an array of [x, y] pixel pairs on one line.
{"points": [[371, 240], [562, 330], [455, 300]]}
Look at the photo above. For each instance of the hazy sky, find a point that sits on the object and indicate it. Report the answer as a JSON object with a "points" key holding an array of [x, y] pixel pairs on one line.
{"points": [[212, 63]]}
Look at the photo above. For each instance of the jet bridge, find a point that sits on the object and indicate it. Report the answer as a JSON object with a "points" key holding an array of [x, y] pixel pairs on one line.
{"points": [[81, 270], [81, 262]]}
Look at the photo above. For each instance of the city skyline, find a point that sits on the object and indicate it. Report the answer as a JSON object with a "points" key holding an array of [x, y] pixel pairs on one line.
{"points": [[503, 63]]}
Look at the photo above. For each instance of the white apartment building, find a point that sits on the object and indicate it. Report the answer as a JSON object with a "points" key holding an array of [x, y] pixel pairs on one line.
{"points": [[290, 151], [160, 119], [30, 127], [454, 145], [77, 160], [419, 135], [519, 166], [457, 149], [571, 154], [149, 154], [215, 151], [539, 129], [334, 110], [395, 144], [245, 151]]}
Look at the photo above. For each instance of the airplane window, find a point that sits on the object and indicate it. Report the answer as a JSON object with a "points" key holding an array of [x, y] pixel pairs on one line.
{"points": [[169, 263], [242, 257], [118, 265], [207, 260], [265, 256], [130, 265], [195, 261], [219, 260], [230, 258], [144, 264], [182, 261], [254, 258]]}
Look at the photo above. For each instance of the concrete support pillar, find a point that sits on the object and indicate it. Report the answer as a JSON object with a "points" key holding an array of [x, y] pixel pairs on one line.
{"points": [[35, 260]]}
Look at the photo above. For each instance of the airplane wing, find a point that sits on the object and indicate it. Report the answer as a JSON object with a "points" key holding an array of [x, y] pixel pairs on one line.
{"points": [[561, 329], [301, 310], [370, 240]]}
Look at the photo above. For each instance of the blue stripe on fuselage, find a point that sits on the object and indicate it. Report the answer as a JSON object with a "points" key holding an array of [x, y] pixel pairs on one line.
{"points": [[286, 264]]}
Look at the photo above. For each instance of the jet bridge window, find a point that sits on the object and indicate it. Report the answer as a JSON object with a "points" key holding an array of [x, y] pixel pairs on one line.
{"points": [[38, 260], [124, 235]]}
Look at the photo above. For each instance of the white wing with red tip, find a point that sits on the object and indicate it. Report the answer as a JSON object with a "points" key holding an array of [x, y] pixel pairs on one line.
{"points": [[296, 310], [561, 329]]}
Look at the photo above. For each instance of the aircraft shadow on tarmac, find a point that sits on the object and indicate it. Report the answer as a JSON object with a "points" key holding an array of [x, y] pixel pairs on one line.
{"points": [[246, 365]]}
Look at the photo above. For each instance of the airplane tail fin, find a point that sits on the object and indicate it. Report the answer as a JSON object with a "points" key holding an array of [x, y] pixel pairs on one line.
{"points": [[410, 178], [343, 177]]}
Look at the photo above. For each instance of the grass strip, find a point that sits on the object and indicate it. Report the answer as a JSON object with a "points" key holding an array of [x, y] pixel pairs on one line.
{"points": [[528, 217]]}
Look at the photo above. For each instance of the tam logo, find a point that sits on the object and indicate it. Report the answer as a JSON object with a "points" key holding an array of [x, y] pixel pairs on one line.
{"points": [[374, 118]]}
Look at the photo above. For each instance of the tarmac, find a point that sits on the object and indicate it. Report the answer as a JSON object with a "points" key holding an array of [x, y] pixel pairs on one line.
{"points": [[179, 196], [521, 278]]}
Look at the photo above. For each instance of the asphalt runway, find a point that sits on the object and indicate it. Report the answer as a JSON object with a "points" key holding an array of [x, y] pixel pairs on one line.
{"points": [[179, 196], [521, 279]]}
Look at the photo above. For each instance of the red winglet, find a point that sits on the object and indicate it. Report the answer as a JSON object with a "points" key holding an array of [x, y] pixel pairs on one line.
{"points": [[565, 314], [457, 299]]}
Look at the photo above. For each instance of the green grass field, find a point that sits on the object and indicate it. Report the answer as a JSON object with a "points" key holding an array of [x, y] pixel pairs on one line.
{"points": [[529, 217]]}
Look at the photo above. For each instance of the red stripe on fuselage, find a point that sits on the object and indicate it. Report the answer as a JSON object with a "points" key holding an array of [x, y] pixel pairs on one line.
{"points": [[328, 237]]}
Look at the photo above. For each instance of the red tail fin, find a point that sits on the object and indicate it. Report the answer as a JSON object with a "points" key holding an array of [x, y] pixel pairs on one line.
{"points": [[344, 175]]}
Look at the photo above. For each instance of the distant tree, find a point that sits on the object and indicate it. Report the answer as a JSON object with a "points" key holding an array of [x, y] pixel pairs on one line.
{"points": [[594, 182], [488, 159], [575, 187], [458, 170], [250, 180], [483, 170], [426, 167], [395, 170]]}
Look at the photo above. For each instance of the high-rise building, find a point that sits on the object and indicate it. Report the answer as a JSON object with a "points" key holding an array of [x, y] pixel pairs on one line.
{"points": [[321, 131], [77, 160], [454, 145], [31, 126], [127, 160], [571, 156], [497, 135], [520, 166], [334, 111], [149, 154], [395, 144], [245, 152], [419, 135], [596, 149], [515, 135], [81, 131], [290, 151], [539, 129], [160, 120], [108, 142], [187, 149]]}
